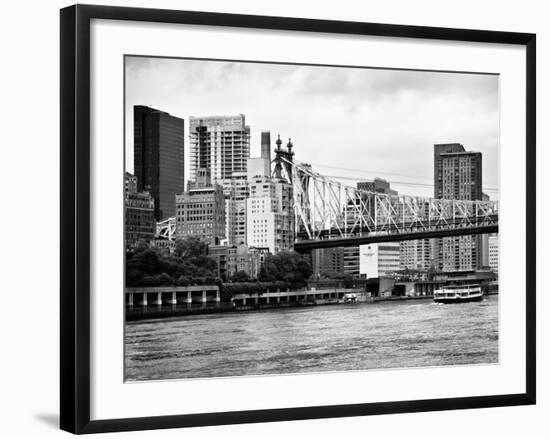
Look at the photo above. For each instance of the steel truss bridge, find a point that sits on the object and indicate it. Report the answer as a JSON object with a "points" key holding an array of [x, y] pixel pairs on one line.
{"points": [[167, 228], [331, 214]]}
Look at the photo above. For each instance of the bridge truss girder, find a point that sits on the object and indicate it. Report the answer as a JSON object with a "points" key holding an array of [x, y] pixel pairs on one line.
{"points": [[167, 228], [325, 208]]}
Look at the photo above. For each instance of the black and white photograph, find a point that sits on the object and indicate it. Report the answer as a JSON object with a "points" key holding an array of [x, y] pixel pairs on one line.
{"points": [[266, 220], [297, 218]]}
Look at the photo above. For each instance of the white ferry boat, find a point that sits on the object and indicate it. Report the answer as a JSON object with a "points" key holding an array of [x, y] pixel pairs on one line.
{"points": [[458, 294]]}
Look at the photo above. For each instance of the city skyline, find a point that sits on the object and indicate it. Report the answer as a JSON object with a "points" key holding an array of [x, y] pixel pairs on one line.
{"points": [[356, 106], [260, 225]]}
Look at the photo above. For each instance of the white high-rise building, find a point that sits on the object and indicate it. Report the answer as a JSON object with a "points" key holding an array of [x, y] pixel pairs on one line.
{"points": [[269, 214], [378, 260]]}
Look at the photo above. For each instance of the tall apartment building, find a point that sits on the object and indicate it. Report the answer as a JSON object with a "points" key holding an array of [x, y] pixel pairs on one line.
{"points": [[139, 214], [415, 254], [236, 192], [200, 211], [269, 214], [220, 144], [379, 260], [457, 176], [159, 157], [493, 252]]}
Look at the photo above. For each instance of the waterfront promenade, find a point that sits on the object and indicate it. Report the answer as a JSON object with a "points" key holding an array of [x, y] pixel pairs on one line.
{"points": [[171, 301]]}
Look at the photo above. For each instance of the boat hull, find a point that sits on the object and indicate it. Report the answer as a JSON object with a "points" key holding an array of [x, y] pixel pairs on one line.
{"points": [[458, 299]]}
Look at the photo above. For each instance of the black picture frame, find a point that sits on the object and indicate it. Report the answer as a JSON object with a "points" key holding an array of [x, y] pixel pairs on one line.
{"points": [[75, 217]]}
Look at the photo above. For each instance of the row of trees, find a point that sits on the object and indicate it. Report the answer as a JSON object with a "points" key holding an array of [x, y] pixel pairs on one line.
{"points": [[287, 266], [190, 265]]}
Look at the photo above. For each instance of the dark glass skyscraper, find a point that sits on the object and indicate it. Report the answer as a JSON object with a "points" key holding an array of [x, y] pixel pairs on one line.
{"points": [[159, 157]]}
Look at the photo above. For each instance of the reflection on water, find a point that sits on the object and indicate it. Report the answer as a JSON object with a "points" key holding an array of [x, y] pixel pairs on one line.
{"points": [[313, 339]]}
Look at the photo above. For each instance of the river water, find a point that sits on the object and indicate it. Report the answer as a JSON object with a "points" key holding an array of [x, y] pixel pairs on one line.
{"points": [[412, 333]]}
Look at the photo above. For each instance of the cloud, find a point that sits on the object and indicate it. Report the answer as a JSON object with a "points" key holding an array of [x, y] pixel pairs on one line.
{"points": [[382, 121]]}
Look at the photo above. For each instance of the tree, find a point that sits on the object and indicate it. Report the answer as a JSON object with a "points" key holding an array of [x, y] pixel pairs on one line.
{"points": [[190, 247], [287, 266], [150, 267], [183, 281], [147, 261], [141, 245], [240, 276]]}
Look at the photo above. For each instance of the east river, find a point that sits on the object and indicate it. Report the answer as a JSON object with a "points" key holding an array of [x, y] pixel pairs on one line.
{"points": [[412, 333]]}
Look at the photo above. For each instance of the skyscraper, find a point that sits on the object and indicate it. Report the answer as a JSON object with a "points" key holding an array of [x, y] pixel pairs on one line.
{"points": [[457, 176], [159, 157], [439, 149], [220, 144]]}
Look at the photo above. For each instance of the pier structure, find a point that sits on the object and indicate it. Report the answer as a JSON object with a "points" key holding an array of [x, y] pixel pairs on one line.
{"points": [[172, 295], [304, 296]]}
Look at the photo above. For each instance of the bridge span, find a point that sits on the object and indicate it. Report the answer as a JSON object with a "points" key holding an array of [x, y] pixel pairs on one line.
{"points": [[328, 213], [306, 245]]}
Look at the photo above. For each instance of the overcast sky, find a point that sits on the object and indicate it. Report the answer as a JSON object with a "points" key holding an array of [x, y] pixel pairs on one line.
{"points": [[356, 123]]}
